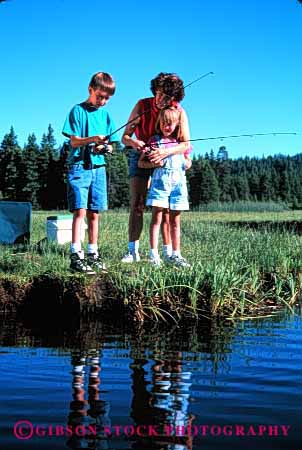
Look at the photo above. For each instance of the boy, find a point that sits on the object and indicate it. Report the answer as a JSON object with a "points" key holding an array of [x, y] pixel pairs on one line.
{"points": [[87, 126]]}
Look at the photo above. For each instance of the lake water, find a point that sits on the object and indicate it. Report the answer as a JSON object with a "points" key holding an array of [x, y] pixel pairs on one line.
{"points": [[234, 385]]}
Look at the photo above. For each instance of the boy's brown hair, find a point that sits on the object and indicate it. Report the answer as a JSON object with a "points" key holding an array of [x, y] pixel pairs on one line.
{"points": [[103, 81]]}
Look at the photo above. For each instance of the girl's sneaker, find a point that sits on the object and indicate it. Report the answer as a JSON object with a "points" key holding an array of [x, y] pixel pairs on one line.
{"points": [[179, 261], [94, 260], [130, 257], [155, 260], [78, 264]]}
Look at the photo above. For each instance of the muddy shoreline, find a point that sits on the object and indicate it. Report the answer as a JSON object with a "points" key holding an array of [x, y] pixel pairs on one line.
{"points": [[51, 296]]}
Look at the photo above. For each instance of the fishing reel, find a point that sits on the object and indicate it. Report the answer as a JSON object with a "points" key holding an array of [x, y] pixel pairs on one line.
{"points": [[148, 149], [102, 149]]}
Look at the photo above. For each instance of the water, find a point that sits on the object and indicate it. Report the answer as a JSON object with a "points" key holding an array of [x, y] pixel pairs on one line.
{"points": [[234, 385]]}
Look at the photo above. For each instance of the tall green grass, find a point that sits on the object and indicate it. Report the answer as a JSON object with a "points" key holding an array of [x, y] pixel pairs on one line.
{"points": [[244, 206], [234, 273]]}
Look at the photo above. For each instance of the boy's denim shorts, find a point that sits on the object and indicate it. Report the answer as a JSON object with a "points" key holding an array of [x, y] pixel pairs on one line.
{"points": [[134, 170], [168, 189], [86, 188]]}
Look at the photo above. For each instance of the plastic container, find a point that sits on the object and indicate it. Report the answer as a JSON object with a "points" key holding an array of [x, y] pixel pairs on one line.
{"points": [[15, 222], [59, 229]]}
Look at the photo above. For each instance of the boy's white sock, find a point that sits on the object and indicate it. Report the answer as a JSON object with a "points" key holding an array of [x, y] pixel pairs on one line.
{"points": [[133, 246], [92, 248], [154, 253], [167, 250], [75, 247], [176, 253]]}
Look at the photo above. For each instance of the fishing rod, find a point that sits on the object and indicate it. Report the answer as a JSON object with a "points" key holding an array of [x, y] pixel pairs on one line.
{"points": [[149, 109], [148, 149], [293, 133]]}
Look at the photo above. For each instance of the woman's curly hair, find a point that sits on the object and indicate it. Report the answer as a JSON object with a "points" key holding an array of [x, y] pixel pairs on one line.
{"points": [[170, 84]]}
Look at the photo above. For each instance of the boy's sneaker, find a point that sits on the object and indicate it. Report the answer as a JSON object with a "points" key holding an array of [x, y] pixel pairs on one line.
{"points": [[94, 261], [155, 260], [78, 264], [179, 261], [130, 257]]}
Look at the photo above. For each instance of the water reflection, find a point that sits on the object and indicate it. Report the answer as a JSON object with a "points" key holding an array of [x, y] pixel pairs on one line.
{"points": [[163, 403], [86, 408], [163, 378]]}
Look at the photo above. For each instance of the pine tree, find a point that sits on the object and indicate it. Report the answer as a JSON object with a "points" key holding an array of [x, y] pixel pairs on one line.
{"points": [[225, 180], [203, 183], [194, 181], [253, 180], [30, 173], [117, 178], [46, 167], [242, 186], [10, 161], [57, 192], [209, 189], [297, 188]]}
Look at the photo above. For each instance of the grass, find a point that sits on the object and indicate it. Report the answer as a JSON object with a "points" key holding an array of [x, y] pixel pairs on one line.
{"points": [[244, 206], [235, 272]]}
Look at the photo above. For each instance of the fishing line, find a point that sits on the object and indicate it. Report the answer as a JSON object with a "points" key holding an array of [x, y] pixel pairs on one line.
{"points": [[243, 135], [150, 148]]}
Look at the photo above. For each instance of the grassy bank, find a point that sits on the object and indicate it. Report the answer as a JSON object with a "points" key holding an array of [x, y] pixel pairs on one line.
{"points": [[236, 272]]}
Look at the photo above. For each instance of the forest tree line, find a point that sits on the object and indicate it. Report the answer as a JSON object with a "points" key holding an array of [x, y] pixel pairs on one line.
{"points": [[37, 173]]}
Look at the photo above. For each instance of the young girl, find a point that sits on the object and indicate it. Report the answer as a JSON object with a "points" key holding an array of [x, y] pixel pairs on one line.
{"points": [[167, 89], [168, 185]]}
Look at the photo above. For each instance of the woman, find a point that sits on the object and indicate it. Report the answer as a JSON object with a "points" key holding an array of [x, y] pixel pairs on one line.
{"points": [[167, 90]]}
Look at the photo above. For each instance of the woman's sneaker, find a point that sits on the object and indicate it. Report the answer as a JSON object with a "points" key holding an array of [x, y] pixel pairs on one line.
{"points": [[179, 261], [166, 257], [78, 264], [94, 261], [130, 257]]}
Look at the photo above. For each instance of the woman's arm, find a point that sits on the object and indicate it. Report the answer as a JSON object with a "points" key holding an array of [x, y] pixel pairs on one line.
{"points": [[134, 120], [188, 162], [144, 163]]}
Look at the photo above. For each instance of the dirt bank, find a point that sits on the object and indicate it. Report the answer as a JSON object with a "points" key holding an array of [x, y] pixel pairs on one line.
{"points": [[51, 296]]}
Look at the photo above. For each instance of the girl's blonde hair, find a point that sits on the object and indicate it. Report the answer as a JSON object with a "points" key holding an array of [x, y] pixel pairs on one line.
{"points": [[170, 115]]}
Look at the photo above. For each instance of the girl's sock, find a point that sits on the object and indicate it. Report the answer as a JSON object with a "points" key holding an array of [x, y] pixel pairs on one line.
{"points": [[154, 253], [167, 250], [176, 253]]}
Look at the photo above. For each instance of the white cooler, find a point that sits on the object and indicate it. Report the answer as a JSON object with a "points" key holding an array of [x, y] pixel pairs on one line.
{"points": [[59, 228]]}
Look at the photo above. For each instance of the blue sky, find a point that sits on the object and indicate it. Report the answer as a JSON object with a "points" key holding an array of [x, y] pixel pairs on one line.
{"points": [[50, 49]]}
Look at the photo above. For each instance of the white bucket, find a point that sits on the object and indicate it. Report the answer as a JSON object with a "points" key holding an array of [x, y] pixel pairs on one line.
{"points": [[59, 229]]}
